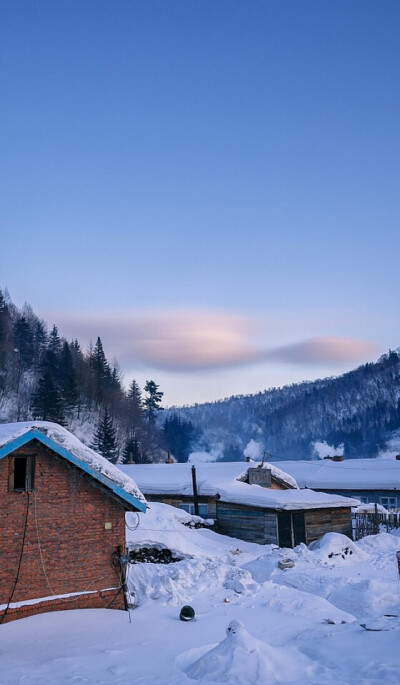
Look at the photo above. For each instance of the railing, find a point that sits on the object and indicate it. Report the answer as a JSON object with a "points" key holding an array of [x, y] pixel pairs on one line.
{"points": [[371, 523]]}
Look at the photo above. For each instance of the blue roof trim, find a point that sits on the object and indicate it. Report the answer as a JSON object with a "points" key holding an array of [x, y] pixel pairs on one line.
{"points": [[34, 433]]}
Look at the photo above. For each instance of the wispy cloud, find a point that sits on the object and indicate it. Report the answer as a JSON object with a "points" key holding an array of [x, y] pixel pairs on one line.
{"points": [[200, 340], [182, 341], [321, 351]]}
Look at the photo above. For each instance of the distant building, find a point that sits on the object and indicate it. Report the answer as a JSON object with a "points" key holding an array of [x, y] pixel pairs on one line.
{"points": [[62, 520], [369, 480], [256, 503]]}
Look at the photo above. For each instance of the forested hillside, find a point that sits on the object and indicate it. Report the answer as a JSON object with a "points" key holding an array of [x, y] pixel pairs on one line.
{"points": [[45, 377], [360, 409]]}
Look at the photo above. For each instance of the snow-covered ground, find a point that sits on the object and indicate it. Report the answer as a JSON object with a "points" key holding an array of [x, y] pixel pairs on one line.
{"points": [[255, 623]]}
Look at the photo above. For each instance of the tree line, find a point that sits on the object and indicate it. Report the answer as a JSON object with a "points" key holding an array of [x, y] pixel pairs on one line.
{"points": [[43, 376], [359, 409]]}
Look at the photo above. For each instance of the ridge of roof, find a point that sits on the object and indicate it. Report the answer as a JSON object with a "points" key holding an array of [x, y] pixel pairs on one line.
{"points": [[66, 445]]}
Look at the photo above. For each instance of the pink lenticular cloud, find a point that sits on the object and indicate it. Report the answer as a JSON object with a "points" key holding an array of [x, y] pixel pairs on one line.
{"points": [[203, 340], [329, 350], [179, 341]]}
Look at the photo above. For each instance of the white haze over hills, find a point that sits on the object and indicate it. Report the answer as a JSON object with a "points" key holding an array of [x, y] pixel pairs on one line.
{"points": [[356, 414]]}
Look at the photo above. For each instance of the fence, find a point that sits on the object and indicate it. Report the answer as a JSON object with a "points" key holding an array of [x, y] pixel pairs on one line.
{"points": [[371, 523]]}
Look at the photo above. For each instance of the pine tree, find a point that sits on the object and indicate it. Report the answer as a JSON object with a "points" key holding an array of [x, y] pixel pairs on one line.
{"points": [[135, 403], [23, 342], [105, 437], [179, 436], [153, 401], [82, 372], [39, 342], [132, 453], [50, 361], [101, 373], [47, 404], [54, 344], [5, 328], [67, 378]]}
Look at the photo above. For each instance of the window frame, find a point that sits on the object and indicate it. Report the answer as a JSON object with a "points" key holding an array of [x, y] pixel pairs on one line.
{"points": [[29, 472], [188, 507], [385, 502]]}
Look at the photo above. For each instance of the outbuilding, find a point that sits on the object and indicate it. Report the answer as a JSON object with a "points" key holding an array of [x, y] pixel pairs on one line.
{"points": [[62, 522], [369, 480], [249, 501]]}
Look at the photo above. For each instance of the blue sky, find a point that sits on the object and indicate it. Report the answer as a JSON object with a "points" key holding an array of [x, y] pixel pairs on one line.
{"points": [[211, 187]]}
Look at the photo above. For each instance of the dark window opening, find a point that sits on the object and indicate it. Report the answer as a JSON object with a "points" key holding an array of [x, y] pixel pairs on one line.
{"points": [[21, 474]]}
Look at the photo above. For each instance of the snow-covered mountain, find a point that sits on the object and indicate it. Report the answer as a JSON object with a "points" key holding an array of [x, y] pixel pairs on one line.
{"points": [[357, 412]]}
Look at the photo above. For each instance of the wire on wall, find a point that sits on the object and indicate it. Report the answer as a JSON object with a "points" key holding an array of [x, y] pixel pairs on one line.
{"points": [[19, 562]]}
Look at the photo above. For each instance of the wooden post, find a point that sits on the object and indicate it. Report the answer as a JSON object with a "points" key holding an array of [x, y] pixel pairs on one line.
{"points": [[376, 520], [195, 497]]}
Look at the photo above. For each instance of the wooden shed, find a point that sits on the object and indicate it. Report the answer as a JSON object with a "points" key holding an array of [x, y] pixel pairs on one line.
{"points": [[251, 502], [286, 528], [173, 483], [62, 522]]}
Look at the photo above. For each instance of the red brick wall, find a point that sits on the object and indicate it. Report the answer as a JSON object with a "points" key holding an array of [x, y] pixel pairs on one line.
{"points": [[76, 549]]}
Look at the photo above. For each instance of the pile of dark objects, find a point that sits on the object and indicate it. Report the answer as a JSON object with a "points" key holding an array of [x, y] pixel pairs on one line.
{"points": [[152, 555], [342, 554], [198, 522]]}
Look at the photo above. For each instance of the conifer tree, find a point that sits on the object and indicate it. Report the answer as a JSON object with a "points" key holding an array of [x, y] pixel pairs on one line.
{"points": [[5, 328], [47, 404], [135, 404], [132, 453], [39, 342], [105, 437], [54, 343], [23, 342], [50, 361], [153, 401], [67, 378], [101, 373], [179, 436]]}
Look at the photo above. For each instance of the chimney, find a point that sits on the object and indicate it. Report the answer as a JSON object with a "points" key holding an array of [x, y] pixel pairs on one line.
{"points": [[398, 457]]}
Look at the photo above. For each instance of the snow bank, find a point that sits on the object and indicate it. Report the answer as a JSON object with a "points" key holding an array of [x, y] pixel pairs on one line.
{"points": [[300, 618], [334, 546], [241, 659]]}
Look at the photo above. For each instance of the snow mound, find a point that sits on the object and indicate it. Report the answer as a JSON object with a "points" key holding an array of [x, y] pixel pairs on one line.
{"points": [[241, 659], [334, 547]]}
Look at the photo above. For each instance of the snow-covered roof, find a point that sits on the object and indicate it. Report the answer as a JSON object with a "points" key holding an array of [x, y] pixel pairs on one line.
{"points": [[222, 480], [349, 474], [60, 440]]}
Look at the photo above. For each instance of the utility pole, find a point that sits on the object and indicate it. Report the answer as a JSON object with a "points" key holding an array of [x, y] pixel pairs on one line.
{"points": [[195, 497]]}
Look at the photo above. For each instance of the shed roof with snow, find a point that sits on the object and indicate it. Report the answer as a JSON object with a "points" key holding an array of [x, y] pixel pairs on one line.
{"points": [[350, 474], [224, 480], [66, 445]]}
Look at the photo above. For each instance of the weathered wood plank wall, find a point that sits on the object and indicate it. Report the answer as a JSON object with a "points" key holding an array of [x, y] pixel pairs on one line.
{"points": [[321, 521]]}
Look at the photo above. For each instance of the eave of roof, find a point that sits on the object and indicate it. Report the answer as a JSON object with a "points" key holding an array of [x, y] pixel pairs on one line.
{"points": [[35, 434]]}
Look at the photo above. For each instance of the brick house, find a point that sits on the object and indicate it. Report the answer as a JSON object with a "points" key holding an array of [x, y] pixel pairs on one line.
{"points": [[62, 522]]}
